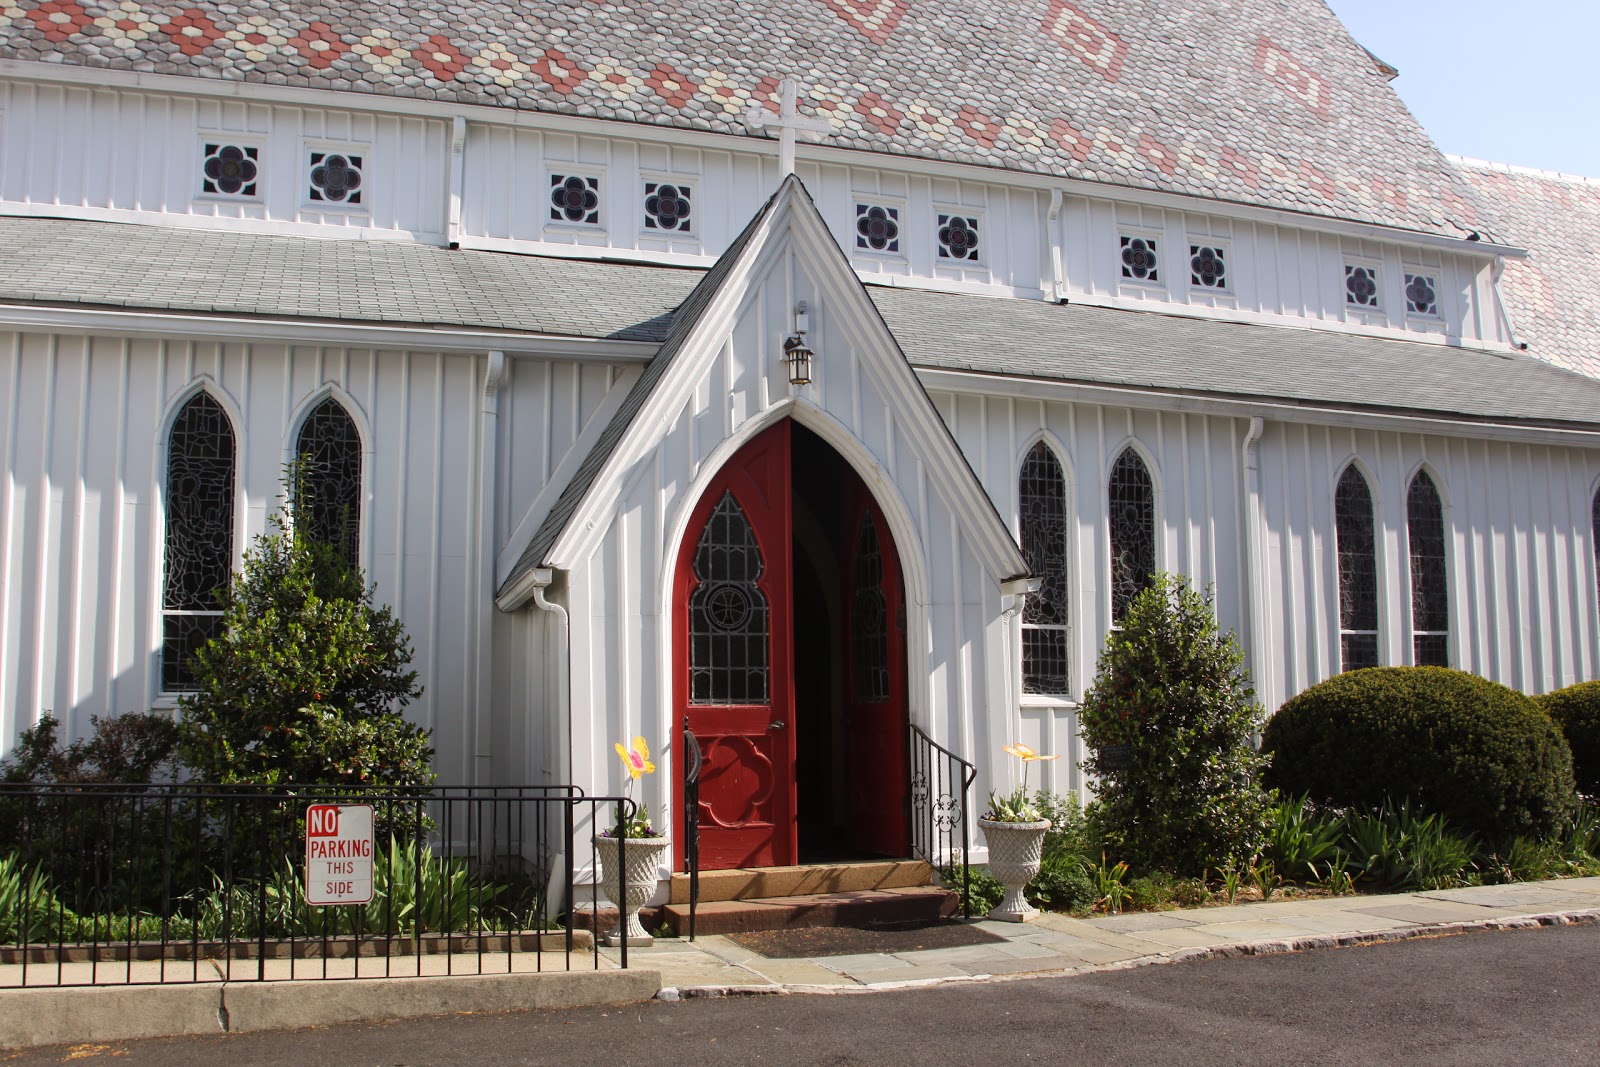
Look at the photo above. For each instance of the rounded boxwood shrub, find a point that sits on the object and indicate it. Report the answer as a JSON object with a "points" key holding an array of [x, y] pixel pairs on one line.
{"points": [[1483, 756], [1576, 709]]}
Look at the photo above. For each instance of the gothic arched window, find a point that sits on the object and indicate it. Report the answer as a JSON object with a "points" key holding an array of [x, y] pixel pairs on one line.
{"points": [[199, 534], [329, 448], [1132, 498], [1430, 594], [1358, 571], [729, 628], [1042, 502]]}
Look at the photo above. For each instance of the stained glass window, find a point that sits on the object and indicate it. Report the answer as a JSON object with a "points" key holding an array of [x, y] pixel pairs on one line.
{"points": [[1042, 501], [1358, 571], [958, 237], [729, 624], [1360, 286], [1208, 268], [230, 170], [869, 623], [199, 534], [1422, 295], [330, 448], [1132, 499], [1430, 595], [575, 198], [1139, 259], [877, 228], [667, 207], [335, 178]]}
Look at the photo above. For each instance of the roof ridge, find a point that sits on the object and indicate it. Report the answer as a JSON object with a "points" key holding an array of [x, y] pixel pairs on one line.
{"points": [[1517, 168]]}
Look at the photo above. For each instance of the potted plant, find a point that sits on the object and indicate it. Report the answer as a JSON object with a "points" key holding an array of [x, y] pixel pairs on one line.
{"points": [[1014, 830], [633, 843]]}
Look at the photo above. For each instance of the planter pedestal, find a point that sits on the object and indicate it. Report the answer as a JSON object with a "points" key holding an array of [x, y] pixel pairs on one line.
{"points": [[631, 889], [1015, 849]]}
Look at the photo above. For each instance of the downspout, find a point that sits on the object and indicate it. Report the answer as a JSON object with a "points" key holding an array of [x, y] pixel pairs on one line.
{"points": [[1254, 626], [560, 703], [488, 443], [455, 178], [1497, 272]]}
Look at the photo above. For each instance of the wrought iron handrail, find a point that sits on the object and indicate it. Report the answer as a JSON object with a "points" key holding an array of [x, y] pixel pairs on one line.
{"points": [[940, 784], [692, 758]]}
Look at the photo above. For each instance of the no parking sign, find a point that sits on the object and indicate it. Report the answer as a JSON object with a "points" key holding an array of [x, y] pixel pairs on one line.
{"points": [[339, 854]]}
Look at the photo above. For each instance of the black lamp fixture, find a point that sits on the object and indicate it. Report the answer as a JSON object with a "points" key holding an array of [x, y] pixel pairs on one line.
{"points": [[795, 352]]}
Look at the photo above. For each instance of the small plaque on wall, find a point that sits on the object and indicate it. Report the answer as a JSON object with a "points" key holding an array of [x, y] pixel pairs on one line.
{"points": [[1114, 758]]}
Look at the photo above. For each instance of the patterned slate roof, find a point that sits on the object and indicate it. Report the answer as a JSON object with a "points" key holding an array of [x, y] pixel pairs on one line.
{"points": [[1258, 101], [101, 264], [1554, 294]]}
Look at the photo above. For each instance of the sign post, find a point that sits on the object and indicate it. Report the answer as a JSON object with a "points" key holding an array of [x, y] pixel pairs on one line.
{"points": [[339, 854]]}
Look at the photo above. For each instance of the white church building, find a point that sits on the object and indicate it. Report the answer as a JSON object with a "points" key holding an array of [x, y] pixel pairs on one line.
{"points": [[656, 390]]}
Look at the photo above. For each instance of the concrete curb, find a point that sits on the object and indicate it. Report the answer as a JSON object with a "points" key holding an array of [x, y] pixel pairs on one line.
{"points": [[1310, 942], [55, 1016]]}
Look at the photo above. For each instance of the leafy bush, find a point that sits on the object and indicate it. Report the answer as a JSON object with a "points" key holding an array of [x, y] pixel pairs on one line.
{"points": [[1480, 754], [307, 683], [1172, 694], [133, 749], [1399, 848], [1300, 840], [1062, 884], [1576, 710], [980, 893], [1069, 831]]}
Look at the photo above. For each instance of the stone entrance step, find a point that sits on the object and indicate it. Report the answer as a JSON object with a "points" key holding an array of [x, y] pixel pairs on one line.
{"points": [[764, 883], [856, 908]]}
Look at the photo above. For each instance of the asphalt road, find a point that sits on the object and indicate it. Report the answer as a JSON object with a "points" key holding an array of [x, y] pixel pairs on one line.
{"points": [[1510, 997]]}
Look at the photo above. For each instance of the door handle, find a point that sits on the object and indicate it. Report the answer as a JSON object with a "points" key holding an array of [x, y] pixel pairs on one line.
{"points": [[776, 724]]}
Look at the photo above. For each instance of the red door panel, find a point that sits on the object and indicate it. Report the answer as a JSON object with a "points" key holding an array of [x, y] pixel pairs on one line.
{"points": [[875, 687], [732, 667]]}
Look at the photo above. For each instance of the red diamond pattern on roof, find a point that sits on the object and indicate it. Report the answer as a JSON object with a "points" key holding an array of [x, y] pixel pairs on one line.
{"points": [[1091, 42], [876, 19], [319, 44], [675, 88], [560, 71], [59, 19], [878, 111], [441, 56]]}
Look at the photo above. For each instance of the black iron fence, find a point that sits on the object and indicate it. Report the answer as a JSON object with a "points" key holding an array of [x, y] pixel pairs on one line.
{"points": [[158, 884], [941, 787]]}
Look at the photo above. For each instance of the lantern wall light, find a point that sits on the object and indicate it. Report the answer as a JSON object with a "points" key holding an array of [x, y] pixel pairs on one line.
{"points": [[795, 351]]}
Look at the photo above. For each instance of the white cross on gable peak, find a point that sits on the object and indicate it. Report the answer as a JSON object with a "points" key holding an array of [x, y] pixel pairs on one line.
{"points": [[788, 122]]}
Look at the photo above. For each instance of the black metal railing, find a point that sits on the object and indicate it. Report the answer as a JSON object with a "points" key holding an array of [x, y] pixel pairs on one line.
{"points": [[941, 786], [692, 759], [190, 883]]}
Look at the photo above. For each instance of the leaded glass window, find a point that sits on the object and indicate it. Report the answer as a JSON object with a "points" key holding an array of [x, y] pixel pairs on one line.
{"points": [[575, 198], [1042, 501], [335, 178], [1358, 571], [1139, 259], [958, 237], [667, 206], [230, 170], [1422, 295], [1430, 595], [329, 507], [1360, 286], [877, 228], [1208, 267], [729, 621], [869, 621], [199, 534], [1132, 499]]}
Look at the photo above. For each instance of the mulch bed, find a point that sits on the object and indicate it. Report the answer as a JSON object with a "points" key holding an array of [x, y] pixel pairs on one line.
{"points": [[846, 941]]}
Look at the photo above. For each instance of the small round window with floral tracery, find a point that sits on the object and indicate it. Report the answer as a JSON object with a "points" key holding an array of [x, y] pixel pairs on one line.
{"points": [[958, 237], [230, 170], [877, 228], [1139, 259], [1360, 286], [666, 207], [335, 178], [1207, 268], [574, 198]]}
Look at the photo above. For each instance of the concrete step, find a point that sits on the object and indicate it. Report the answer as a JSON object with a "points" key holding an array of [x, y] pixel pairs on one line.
{"points": [[857, 908], [761, 883]]}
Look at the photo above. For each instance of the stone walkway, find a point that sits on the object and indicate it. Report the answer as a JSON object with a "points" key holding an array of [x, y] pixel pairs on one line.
{"points": [[1056, 944]]}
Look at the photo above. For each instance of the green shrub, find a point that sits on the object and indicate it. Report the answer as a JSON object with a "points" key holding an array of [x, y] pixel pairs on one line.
{"points": [[1063, 884], [1300, 840], [29, 909], [1576, 710], [1172, 694], [307, 683], [1398, 848], [1069, 832], [133, 749], [1444, 741], [980, 893]]}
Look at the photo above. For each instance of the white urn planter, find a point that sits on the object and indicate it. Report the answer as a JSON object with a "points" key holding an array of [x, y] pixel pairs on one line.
{"points": [[1015, 849], [631, 889]]}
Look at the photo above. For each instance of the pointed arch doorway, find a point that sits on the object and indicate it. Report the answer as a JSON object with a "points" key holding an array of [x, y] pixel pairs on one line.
{"points": [[789, 660]]}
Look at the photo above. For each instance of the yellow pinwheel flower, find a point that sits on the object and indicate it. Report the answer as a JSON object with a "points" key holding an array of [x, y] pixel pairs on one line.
{"points": [[1028, 755], [638, 760]]}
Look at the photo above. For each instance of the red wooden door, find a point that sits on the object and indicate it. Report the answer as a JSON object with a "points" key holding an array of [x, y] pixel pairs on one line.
{"points": [[875, 688], [732, 657]]}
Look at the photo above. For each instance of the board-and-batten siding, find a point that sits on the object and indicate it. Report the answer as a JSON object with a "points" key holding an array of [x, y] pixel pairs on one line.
{"points": [[142, 152], [1521, 551], [123, 153]]}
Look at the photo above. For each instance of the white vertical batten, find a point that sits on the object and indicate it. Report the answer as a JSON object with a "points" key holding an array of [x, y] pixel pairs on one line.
{"points": [[118, 502], [1252, 575], [7, 517], [457, 177], [41, 564], [80, 492]]}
